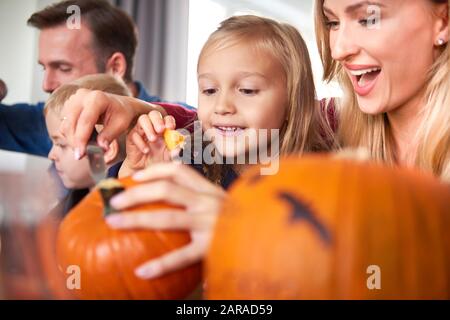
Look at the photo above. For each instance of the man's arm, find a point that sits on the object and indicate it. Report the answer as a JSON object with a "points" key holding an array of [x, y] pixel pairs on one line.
{"points": [[23, 129], [184, 117]]}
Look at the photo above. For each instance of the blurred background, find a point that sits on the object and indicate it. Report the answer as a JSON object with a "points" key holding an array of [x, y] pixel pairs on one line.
{"points": [[171, 34]]}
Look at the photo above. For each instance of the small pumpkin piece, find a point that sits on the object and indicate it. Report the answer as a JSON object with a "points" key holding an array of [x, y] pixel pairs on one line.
{"points": [[173, 139], [109, 188]]}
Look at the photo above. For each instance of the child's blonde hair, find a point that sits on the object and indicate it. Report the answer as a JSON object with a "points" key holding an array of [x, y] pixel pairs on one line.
{"points": [[373, 132], [306, 128], [102, 82]]}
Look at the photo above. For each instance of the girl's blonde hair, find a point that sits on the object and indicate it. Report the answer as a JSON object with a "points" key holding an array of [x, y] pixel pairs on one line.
{"points": [[373, 132], [306, 128]]}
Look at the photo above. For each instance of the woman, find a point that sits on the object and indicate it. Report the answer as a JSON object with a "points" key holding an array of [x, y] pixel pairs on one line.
{"points": [[392, 61]]}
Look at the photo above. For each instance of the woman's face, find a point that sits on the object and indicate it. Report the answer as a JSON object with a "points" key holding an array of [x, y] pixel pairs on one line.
{"points": [[386, 48]]}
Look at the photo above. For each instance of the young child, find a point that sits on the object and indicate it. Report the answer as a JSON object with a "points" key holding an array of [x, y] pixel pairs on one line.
{"points": [[75, 174], [254, 74]]}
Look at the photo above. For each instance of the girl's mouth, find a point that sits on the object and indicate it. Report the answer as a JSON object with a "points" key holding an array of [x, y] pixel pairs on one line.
{"points": [[229, 131], [364, 80]]}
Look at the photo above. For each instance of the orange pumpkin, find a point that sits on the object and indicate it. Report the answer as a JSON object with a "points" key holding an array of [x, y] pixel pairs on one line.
{"points": [[107, 258], [325, 228]]}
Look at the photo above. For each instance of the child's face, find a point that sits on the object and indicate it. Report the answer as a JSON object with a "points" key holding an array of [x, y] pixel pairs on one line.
{"points": [[240, 90], [75, 174]]}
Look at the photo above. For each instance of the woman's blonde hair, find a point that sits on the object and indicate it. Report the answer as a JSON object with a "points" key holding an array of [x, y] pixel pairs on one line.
{"points": [[306, 128], [373, 132]]}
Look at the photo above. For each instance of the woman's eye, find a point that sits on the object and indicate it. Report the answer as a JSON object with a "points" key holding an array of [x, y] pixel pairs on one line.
{"points": [[209, 92], [332, 25], [249, 92]]}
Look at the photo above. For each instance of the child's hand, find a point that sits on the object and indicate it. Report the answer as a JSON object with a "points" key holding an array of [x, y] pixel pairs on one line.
{"points": [[145, 143]]}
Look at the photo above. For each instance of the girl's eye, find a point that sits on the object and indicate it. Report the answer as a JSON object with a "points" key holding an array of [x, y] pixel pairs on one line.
{"points": [[59, 145], [249, 92], [209, 92], [363, 22], [332, 25]]}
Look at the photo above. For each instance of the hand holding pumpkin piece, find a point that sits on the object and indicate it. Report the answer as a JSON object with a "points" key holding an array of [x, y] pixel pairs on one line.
{"points": [[146, 143], [178, 185]]}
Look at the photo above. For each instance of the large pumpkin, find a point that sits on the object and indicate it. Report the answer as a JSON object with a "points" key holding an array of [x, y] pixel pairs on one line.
{"points": [[107, 258], [324, 228]]}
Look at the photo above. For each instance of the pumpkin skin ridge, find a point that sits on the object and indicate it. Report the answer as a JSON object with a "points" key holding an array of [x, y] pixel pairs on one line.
{"points": [[105, 237], [94, 264], [430, 237], [405, 182], [76, 246], [114, 253], [156, 283]]}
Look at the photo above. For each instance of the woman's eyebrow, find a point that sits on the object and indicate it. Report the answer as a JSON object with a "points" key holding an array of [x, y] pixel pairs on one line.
{"points": [[354, 7]]}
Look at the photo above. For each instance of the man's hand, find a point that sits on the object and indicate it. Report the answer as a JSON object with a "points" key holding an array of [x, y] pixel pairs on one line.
{"points": [[86, 108]]}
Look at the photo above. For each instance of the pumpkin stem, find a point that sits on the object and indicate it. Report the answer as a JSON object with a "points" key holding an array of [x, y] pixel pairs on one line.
{"points": [[109, 188]]}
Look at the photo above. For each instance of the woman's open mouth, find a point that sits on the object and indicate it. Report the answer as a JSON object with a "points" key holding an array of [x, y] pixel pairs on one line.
{"points": [[364, 79]]}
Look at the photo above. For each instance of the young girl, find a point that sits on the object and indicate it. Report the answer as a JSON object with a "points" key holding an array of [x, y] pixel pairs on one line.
{"points": [[392, 60], [253, 74]]}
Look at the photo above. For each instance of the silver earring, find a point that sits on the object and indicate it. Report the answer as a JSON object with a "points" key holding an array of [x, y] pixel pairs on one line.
{"points": [[440, 42]]}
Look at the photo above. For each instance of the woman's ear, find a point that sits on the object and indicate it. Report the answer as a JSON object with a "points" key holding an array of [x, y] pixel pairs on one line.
{"points": [[117, 64], [112, 153], [441, 27]]}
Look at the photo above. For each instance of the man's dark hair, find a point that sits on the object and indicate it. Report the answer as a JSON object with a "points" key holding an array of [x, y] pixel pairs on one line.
{"points": [[112, 29]]}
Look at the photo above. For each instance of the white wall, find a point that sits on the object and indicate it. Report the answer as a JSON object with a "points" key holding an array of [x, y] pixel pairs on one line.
{"points": [[18, 54], [205, 16]]}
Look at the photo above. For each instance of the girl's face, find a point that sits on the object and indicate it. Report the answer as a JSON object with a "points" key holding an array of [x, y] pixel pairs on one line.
{"points": [[386, 48], [241, 90]]}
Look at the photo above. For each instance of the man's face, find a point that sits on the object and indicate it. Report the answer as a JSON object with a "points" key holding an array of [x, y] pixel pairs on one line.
{"points": [[65, 55]]}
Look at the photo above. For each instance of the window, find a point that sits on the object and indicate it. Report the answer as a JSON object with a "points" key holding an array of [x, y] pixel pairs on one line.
{"points": [[205, 16]]}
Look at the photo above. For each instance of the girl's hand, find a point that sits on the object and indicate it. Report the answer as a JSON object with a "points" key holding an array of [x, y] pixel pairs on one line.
{"points": [[145, 143], [179, 185]]}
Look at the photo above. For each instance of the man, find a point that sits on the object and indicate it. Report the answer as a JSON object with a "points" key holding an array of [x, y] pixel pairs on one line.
{"points": [[105, 43]]}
